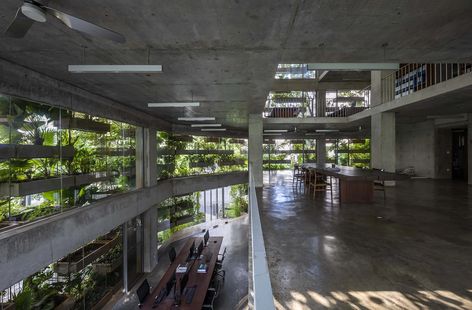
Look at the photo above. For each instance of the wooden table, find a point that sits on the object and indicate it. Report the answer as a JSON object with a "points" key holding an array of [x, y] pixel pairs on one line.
{"points": [[201, 280], [356, 185]]}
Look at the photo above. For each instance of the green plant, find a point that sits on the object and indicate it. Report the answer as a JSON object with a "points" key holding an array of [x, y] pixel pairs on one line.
{"points": [[24, 299]]}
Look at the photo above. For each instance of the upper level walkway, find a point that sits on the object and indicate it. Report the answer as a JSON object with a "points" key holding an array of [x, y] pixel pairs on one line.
{"points": [[409, 251]]}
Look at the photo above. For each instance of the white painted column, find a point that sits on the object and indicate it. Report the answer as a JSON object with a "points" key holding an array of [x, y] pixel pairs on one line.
{"points": [[146, 176], [255, 147], [383, 141]]}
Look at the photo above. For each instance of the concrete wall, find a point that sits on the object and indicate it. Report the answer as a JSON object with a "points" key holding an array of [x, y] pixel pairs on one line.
{"points": [[29, 248], [416, 147]]}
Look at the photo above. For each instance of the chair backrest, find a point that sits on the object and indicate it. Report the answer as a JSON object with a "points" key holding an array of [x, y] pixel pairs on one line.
{"points": [[172, 254], [223, 255], [143, 291]]}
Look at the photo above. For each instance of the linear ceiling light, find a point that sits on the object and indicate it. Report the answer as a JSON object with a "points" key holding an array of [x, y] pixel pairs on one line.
{"points": [[206, 125], [115, 68], [173, 104], [195, 119], [275, 130], [313, 134], [272, 134], [339, 66], [327, 130], [213, 129]]}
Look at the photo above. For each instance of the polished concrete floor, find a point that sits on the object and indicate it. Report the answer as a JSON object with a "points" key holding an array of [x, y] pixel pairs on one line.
{"points": [[235, 288], [412, 250]]}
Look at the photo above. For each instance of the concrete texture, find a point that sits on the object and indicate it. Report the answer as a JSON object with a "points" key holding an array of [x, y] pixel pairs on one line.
{"points": [[320, 151], [255, 142], [469, 148], [235, 239], [443, 153], [410, 251], [225, 54], [383, 141], [415, 147], [35, 245]]}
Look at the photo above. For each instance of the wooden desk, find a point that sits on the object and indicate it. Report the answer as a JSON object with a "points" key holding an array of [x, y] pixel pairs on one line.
{"points": [[356, 185], [201, 280]]}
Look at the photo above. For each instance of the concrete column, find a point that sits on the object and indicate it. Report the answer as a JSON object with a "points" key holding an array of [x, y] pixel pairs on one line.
{"points": [[146, 176], [383, 141], [469, 148], [321, 151], [375, 88], [255, 147], [321, 103]]}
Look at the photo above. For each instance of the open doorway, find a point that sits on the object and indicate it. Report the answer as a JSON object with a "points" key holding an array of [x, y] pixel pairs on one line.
{"points": [[459, 154]]}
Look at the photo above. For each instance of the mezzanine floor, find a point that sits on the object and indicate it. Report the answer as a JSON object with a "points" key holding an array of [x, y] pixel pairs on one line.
{"points": [[410, 251]]}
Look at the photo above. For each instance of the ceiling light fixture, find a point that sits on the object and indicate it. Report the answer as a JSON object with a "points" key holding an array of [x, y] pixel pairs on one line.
{"points": [[195, 119], [275, 130], [115, 68], [327, 130], [272, 134], [313, 134], [206, 125], [213, 129], [173, 104]]}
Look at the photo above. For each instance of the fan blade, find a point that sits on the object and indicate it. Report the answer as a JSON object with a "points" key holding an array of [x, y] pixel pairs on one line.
{"points": [[19, 26], [84, 26]]}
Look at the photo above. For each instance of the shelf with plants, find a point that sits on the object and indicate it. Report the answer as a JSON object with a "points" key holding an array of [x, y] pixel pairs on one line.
{"points": [[110, 261], [83, 124], [19, 151], [86, 255]]}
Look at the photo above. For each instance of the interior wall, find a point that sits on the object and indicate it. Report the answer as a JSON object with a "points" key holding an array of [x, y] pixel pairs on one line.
{"points": [[415, 147], [443, 153]]}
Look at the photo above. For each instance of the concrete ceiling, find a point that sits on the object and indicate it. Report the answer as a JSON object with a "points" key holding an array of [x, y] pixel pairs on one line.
{"points": [[225, 53]]}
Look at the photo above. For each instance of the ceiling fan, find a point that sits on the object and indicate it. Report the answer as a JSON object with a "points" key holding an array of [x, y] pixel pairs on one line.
{"points": [[33, 11]]}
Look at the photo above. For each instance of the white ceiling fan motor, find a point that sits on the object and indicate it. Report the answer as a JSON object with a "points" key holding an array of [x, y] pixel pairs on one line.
{"points": [[33, 12]]}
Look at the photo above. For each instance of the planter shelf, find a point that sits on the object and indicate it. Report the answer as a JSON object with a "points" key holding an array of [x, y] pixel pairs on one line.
{"points": [[277, 161], [8, 151], [164, 225], [45, 185], [237, 141], [104, 268], [75, 262], [170, 152], [182, 138], [200, 164], [182, 220], [115, 152], [290, 152], [232, 162], [83, 124]]}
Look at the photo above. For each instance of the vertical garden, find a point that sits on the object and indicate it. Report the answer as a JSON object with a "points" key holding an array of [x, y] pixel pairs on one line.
{"points": [[53, 159]]}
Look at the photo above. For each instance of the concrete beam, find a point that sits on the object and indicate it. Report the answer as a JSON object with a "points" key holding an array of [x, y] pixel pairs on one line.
{"points": [[18, 81], [314, 85], [469, 149], [35, 245], [307, 120]]}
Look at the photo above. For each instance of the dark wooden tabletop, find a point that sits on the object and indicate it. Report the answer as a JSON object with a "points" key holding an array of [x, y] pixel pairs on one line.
{"points": [[355, 174], [200, 280]]}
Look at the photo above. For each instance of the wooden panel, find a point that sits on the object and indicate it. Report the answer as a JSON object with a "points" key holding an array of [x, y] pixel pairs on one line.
{"points": [[356, 191]]}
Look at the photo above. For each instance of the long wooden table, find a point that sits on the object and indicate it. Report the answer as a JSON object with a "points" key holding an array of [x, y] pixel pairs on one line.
{"points": [[200, 280], [356, 185]]}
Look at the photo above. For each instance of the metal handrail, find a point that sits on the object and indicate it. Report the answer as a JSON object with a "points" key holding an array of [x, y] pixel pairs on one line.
{"points": [[414, 77], [260, 287]]}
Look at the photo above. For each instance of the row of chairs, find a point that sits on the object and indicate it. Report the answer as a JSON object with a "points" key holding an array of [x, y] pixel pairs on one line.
{"points": [[316, 182], [312, 181], [217, 279]]}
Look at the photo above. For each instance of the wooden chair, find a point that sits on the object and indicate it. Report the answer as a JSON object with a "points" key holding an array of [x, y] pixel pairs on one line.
{"points": [[319, 183], [298, 176], [379, 185]]}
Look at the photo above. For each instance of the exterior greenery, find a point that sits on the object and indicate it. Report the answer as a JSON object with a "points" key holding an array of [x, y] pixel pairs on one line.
{"points": [[53, 159]]}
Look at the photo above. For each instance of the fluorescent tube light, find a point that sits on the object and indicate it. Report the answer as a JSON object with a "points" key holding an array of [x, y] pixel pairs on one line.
{"points": [[213, 129], [327, 130], [206, 125], [339, 66], [173, 104], [195, 119], [115, 68], [313, 134], [275, 130], [272, 134]]}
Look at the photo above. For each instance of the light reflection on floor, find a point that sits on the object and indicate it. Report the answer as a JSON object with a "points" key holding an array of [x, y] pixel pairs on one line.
{"points": [[438, 299]]}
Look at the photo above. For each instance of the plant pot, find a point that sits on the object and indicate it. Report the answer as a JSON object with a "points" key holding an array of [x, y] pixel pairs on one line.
{"points": [[83, 124], [35, 151], [24, 188], [104, 268]]}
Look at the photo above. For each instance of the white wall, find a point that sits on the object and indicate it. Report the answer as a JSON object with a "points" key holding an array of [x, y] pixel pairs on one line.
{"points": [[415, 147]]}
